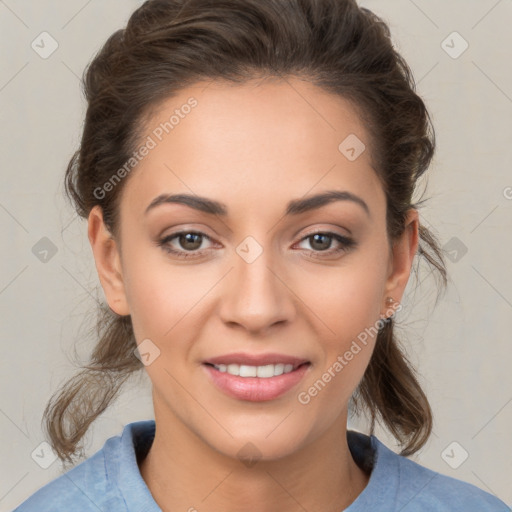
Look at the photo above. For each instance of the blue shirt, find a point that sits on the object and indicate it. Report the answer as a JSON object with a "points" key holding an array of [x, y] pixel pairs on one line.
{"points": [[110, 481]]}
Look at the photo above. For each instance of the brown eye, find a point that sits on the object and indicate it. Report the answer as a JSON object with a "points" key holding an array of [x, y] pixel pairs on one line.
{"points": [[190, 241], [187, 243], [321, 243]]}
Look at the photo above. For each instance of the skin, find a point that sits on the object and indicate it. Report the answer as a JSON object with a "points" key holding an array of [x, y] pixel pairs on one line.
{"points": [[254, 147]]}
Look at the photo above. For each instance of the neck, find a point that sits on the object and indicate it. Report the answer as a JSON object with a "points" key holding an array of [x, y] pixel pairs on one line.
{"points": [[184, 473]]}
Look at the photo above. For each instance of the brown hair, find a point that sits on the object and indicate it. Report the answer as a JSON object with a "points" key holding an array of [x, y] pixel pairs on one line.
{"points": [[170, 44]]}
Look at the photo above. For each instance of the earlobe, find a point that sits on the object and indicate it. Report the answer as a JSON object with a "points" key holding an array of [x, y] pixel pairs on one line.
{"points": [[403, 251], [108, 262]]}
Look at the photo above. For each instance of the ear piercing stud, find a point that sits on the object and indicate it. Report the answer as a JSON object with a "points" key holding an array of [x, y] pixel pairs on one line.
{"points": [[389, 302]]}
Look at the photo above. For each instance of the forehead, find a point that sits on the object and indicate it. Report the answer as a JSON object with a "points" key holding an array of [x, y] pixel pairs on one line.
{"points": [[261, 141]]}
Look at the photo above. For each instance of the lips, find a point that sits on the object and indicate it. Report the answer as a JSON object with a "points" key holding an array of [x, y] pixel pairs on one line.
{"points": [[255, 377]]}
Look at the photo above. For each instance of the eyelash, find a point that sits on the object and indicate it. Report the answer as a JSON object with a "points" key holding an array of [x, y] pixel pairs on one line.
{"points": [[346, 244]]}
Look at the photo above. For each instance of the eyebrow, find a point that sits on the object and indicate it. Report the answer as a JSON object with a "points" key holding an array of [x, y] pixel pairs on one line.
{"points": [[294, 207]]}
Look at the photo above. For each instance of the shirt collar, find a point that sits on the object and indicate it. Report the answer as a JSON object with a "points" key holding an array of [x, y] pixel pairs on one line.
{"points": [[122, 467], [368, 452], [382, 488]]}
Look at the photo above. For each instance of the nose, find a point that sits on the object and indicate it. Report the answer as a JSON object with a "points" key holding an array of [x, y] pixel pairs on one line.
{"points": [[256, 296]]}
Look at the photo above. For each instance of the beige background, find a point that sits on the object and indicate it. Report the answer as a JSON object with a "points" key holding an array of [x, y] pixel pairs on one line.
{"points": [[463, 347]]}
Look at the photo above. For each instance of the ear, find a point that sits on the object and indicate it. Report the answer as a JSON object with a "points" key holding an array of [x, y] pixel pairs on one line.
{"points": [[403, 251], [108, 262]]}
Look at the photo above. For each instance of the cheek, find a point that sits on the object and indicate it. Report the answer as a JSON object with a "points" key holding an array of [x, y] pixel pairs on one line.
{"points": [[159, 295], [346, 299], [347, 302], [351, 312]]}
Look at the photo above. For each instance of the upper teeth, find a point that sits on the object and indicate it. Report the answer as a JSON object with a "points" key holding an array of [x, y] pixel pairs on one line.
{"points": [[269, 370]]}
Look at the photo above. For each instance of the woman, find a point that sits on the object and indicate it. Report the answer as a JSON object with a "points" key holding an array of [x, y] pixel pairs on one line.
{"points": [[247, 170]]}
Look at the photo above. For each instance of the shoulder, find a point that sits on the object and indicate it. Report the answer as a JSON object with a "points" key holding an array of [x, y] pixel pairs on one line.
{"points": [[108, 480], [90, 486], [421, 489], [84, 488]]}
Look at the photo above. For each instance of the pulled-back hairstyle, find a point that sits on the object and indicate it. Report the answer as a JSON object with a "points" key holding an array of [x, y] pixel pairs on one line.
{"points": [[168, 45]]}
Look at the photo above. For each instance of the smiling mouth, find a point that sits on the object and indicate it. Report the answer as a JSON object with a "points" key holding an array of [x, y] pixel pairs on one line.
{"points": [[265, 371], [256, 383]]}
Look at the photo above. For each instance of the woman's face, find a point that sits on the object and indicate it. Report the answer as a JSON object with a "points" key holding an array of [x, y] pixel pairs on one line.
{"points": [[250, 289]]}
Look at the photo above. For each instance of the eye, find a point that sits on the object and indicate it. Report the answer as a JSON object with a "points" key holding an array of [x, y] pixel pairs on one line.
{"points": [[189, 241], [321, 241]]}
